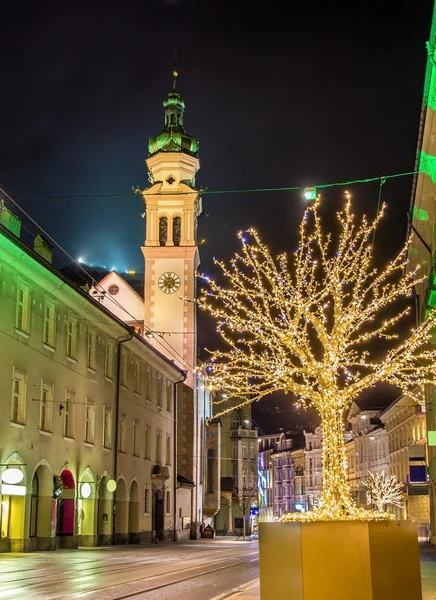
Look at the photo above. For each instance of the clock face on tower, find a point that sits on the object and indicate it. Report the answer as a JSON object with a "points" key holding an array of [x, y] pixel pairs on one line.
{"points": [[169, 282]]}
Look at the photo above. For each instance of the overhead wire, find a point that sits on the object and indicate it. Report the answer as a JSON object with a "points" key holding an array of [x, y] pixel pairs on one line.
{"points": [[170, 349], [164, 343], [205, 191]]}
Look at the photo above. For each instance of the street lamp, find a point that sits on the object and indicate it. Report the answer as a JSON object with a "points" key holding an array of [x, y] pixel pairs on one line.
{"points": [[310, 193]]}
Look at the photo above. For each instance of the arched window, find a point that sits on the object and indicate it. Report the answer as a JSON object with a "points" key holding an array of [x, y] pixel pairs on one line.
{"points": [[236, 421], [210, 469], [177, 230], [163, 231]]}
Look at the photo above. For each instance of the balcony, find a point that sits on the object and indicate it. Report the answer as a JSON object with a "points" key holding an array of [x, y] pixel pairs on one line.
{"points": [[241, 432], [417, 489]]}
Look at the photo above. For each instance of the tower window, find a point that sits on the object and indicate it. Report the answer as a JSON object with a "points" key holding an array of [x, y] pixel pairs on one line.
{"points": [[113, 290], [177, 230], [163, 231]]}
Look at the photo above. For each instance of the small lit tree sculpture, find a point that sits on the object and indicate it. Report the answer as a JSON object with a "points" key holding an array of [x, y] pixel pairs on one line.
{"points": [[382, 490], [306, 328]]}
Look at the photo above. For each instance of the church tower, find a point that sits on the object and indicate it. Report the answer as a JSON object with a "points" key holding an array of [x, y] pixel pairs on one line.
{"points": [[172, 208], [170, 250]]}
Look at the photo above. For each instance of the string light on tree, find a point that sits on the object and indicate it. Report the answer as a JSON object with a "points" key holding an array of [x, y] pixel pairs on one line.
{"points": [[382, 490], [304, 326]]}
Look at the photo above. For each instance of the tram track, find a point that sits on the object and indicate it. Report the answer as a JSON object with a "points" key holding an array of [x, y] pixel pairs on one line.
{"points": [[33, 587], [160, 586], [120, 565]]}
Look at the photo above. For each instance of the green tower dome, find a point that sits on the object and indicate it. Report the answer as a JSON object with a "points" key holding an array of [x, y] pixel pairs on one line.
{"points": [[173, 137]]}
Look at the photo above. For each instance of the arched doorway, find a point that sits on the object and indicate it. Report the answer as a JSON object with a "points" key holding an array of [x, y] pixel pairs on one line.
{"points": [[105, 513], [223, 518], [66, 511], [41, 503], [158, 515], [134, 513], [13, 531], [121, 513], [86, 508]]}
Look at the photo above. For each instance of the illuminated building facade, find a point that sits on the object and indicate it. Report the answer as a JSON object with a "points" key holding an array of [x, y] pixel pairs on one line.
{"points": [[84, 403], [366, 448], [300, 497], [406, 431], [422, 251], [283, 477], [239, 471], [313, 466]]}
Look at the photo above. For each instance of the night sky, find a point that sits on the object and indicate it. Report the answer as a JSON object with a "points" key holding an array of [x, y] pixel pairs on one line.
{"points": [[277, 96]]}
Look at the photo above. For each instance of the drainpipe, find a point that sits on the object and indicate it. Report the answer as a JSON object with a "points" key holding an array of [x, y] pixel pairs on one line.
{"points": [[117, 416], [175, 454]]}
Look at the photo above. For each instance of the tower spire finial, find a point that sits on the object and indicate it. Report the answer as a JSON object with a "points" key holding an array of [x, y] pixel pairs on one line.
{"points": [[175, 71]]}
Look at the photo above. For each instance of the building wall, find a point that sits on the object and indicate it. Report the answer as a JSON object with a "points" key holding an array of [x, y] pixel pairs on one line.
{"points": [[124, 304], [283, 483], [405, 423], [422, 249], [239, 462], [313, 466], [79, 390]]}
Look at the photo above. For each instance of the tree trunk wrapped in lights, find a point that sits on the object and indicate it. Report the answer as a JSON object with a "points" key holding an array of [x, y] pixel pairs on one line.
{"points": [[307, 329]]}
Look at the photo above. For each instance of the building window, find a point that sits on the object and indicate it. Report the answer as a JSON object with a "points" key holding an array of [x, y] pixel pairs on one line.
{"points": [[18, 405], [113, 290], [146, 500], [46, 407], [72, 337], [158, 446], [148, 383], [135, 438], [107, 427], [123, 368], [168, 450], [244, 449], [23, 308], [68, 415], [252, 452], [91, 352], [210, 469], [235, 450], [147, 434], [122, 429], [168, 502], [89, 421], [163, 231], [159, 390], [137, 377], [49, 323], [109, 361], [169, 396], [177, 230]]}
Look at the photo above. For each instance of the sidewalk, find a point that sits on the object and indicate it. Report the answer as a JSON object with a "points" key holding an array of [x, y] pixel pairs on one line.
{"points": [[251, 591]]}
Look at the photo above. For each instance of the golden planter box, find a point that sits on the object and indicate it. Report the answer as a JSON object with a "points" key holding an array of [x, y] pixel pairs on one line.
{"points": [[342, 560]]}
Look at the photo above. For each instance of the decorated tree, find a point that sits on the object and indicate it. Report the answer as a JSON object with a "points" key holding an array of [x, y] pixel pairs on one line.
{"points": [[308, 327], [382, 490]]}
